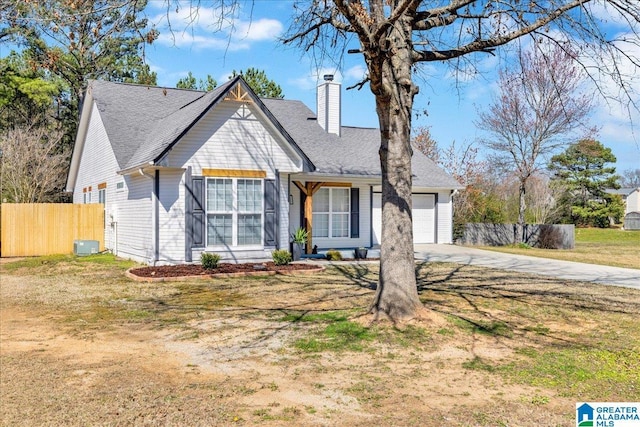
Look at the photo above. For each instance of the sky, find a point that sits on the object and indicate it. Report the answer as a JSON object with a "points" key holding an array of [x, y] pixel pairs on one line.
{"points": [[448, 104]]}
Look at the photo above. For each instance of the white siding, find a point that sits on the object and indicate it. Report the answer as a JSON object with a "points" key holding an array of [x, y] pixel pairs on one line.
{"points": [[134, 220], [294, 210], [328, 107], [127, 211], [232, 137], [171, 216], [283, 220], [444, 218], [633, 201]]}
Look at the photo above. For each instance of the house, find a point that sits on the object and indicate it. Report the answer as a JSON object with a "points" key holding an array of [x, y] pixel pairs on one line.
{"points": [[630, 197], [181, 172]]}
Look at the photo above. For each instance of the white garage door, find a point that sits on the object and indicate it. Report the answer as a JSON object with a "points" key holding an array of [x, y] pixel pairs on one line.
{"points": [[424, 218]]}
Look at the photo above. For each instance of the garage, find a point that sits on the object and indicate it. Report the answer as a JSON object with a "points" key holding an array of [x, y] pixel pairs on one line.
{"points": [[424, 218]]}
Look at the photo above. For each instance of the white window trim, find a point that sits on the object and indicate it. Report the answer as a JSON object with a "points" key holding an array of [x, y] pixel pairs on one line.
{"points": [[234, 214], [331, 213]]}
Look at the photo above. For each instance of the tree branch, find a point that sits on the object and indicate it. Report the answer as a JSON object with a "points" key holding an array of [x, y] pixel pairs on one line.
{"points": [[484, 45]]}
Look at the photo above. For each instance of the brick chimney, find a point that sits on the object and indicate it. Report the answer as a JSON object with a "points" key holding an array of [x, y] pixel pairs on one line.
{"points": [[329, 105]]}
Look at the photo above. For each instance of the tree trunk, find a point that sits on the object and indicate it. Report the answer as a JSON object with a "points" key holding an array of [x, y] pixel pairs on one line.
{"points": [[522, 206], [391, 82]]}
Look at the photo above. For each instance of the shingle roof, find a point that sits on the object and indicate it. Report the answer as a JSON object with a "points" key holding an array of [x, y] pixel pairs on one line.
{"points": [[354, 152], [143, 122]]}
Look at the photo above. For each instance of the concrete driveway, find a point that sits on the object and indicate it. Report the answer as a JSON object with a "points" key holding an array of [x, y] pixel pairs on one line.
{"points": [[626, 277]]}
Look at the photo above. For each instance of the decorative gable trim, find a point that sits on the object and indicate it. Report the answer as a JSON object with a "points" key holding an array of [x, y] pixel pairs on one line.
{"points": [[237, 94], [234, 173]]}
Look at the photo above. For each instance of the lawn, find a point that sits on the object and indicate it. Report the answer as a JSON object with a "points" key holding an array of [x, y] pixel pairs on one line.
{"points": [[611, 246], [84, 345]]}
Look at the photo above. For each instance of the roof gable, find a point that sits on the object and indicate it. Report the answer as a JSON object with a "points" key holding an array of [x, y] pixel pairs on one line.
{"points": [[144, 122]]}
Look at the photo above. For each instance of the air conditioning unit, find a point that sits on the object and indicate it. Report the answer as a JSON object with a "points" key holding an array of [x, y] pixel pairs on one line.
{"points": [[85, 247]]}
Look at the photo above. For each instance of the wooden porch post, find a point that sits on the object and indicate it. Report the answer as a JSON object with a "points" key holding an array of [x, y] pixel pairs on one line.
{"points": [[308, 216], [308, 190]]}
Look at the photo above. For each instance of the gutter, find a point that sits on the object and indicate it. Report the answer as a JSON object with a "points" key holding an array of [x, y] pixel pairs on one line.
{"points": [[138, 168]]}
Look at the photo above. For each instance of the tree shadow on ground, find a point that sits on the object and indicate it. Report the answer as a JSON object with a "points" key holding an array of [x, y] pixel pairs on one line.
{"points": [[497, 304]]}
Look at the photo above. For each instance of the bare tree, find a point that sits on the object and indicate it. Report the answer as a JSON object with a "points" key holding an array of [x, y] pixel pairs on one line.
{"points": [[33, 167], [463, 163], [542, 199], [393, 36], [538, 105], [424, 142], [630, 178]]}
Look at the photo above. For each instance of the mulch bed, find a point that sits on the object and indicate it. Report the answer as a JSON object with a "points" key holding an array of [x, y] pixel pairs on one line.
{"points": [[195, 270]]}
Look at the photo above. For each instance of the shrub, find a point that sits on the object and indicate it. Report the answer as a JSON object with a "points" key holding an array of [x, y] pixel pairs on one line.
{"points": [[334, 255], [281, 257], [300, 236], [209, 261]]}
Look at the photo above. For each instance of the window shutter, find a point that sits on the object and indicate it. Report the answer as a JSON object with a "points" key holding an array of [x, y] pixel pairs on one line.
{"points": [[355, 213], [196, 213], [270, 212]]}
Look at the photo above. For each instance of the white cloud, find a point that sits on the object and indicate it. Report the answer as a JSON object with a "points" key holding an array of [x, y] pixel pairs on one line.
{"points": [[608, 15], [356, 73], [209, 28], [189, 40], [314, 78], [262, 29]]}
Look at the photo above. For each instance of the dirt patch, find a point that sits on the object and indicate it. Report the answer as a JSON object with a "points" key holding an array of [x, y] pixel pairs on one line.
{"points": [[90, 347]]}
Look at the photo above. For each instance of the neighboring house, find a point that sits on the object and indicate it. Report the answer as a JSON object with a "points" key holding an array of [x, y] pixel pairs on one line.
{"points": [[630, 197], [181, 172]]}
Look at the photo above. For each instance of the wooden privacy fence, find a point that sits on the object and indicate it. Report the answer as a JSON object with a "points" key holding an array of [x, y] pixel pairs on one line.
{"points": [[48, 228]]}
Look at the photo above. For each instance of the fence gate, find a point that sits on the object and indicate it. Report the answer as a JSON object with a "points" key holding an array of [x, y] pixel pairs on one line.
{"points": [[34, 229]]}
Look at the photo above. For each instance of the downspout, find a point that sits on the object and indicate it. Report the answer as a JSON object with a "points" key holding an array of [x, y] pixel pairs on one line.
{"points": [[277, 207], [371, 216], [154, 212]]}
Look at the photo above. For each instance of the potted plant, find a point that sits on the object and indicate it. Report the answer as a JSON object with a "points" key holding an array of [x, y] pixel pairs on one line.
{"points": [[361, 253], [299, 239]]}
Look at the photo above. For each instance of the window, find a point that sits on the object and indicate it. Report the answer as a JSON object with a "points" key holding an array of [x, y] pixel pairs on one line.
{"points": [[331, 212], [102, 195], [249, 212], [234, 212], [120, 186]]}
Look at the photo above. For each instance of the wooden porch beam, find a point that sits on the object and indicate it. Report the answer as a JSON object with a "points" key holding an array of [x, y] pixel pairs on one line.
{"points": [[300, 187], [309, 189]]}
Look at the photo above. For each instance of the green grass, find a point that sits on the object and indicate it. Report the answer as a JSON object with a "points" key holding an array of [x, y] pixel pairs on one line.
{"points": [[337, 336], [614, 236], [604, 246], [50, 261], [588, 373], [341, 334]]}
